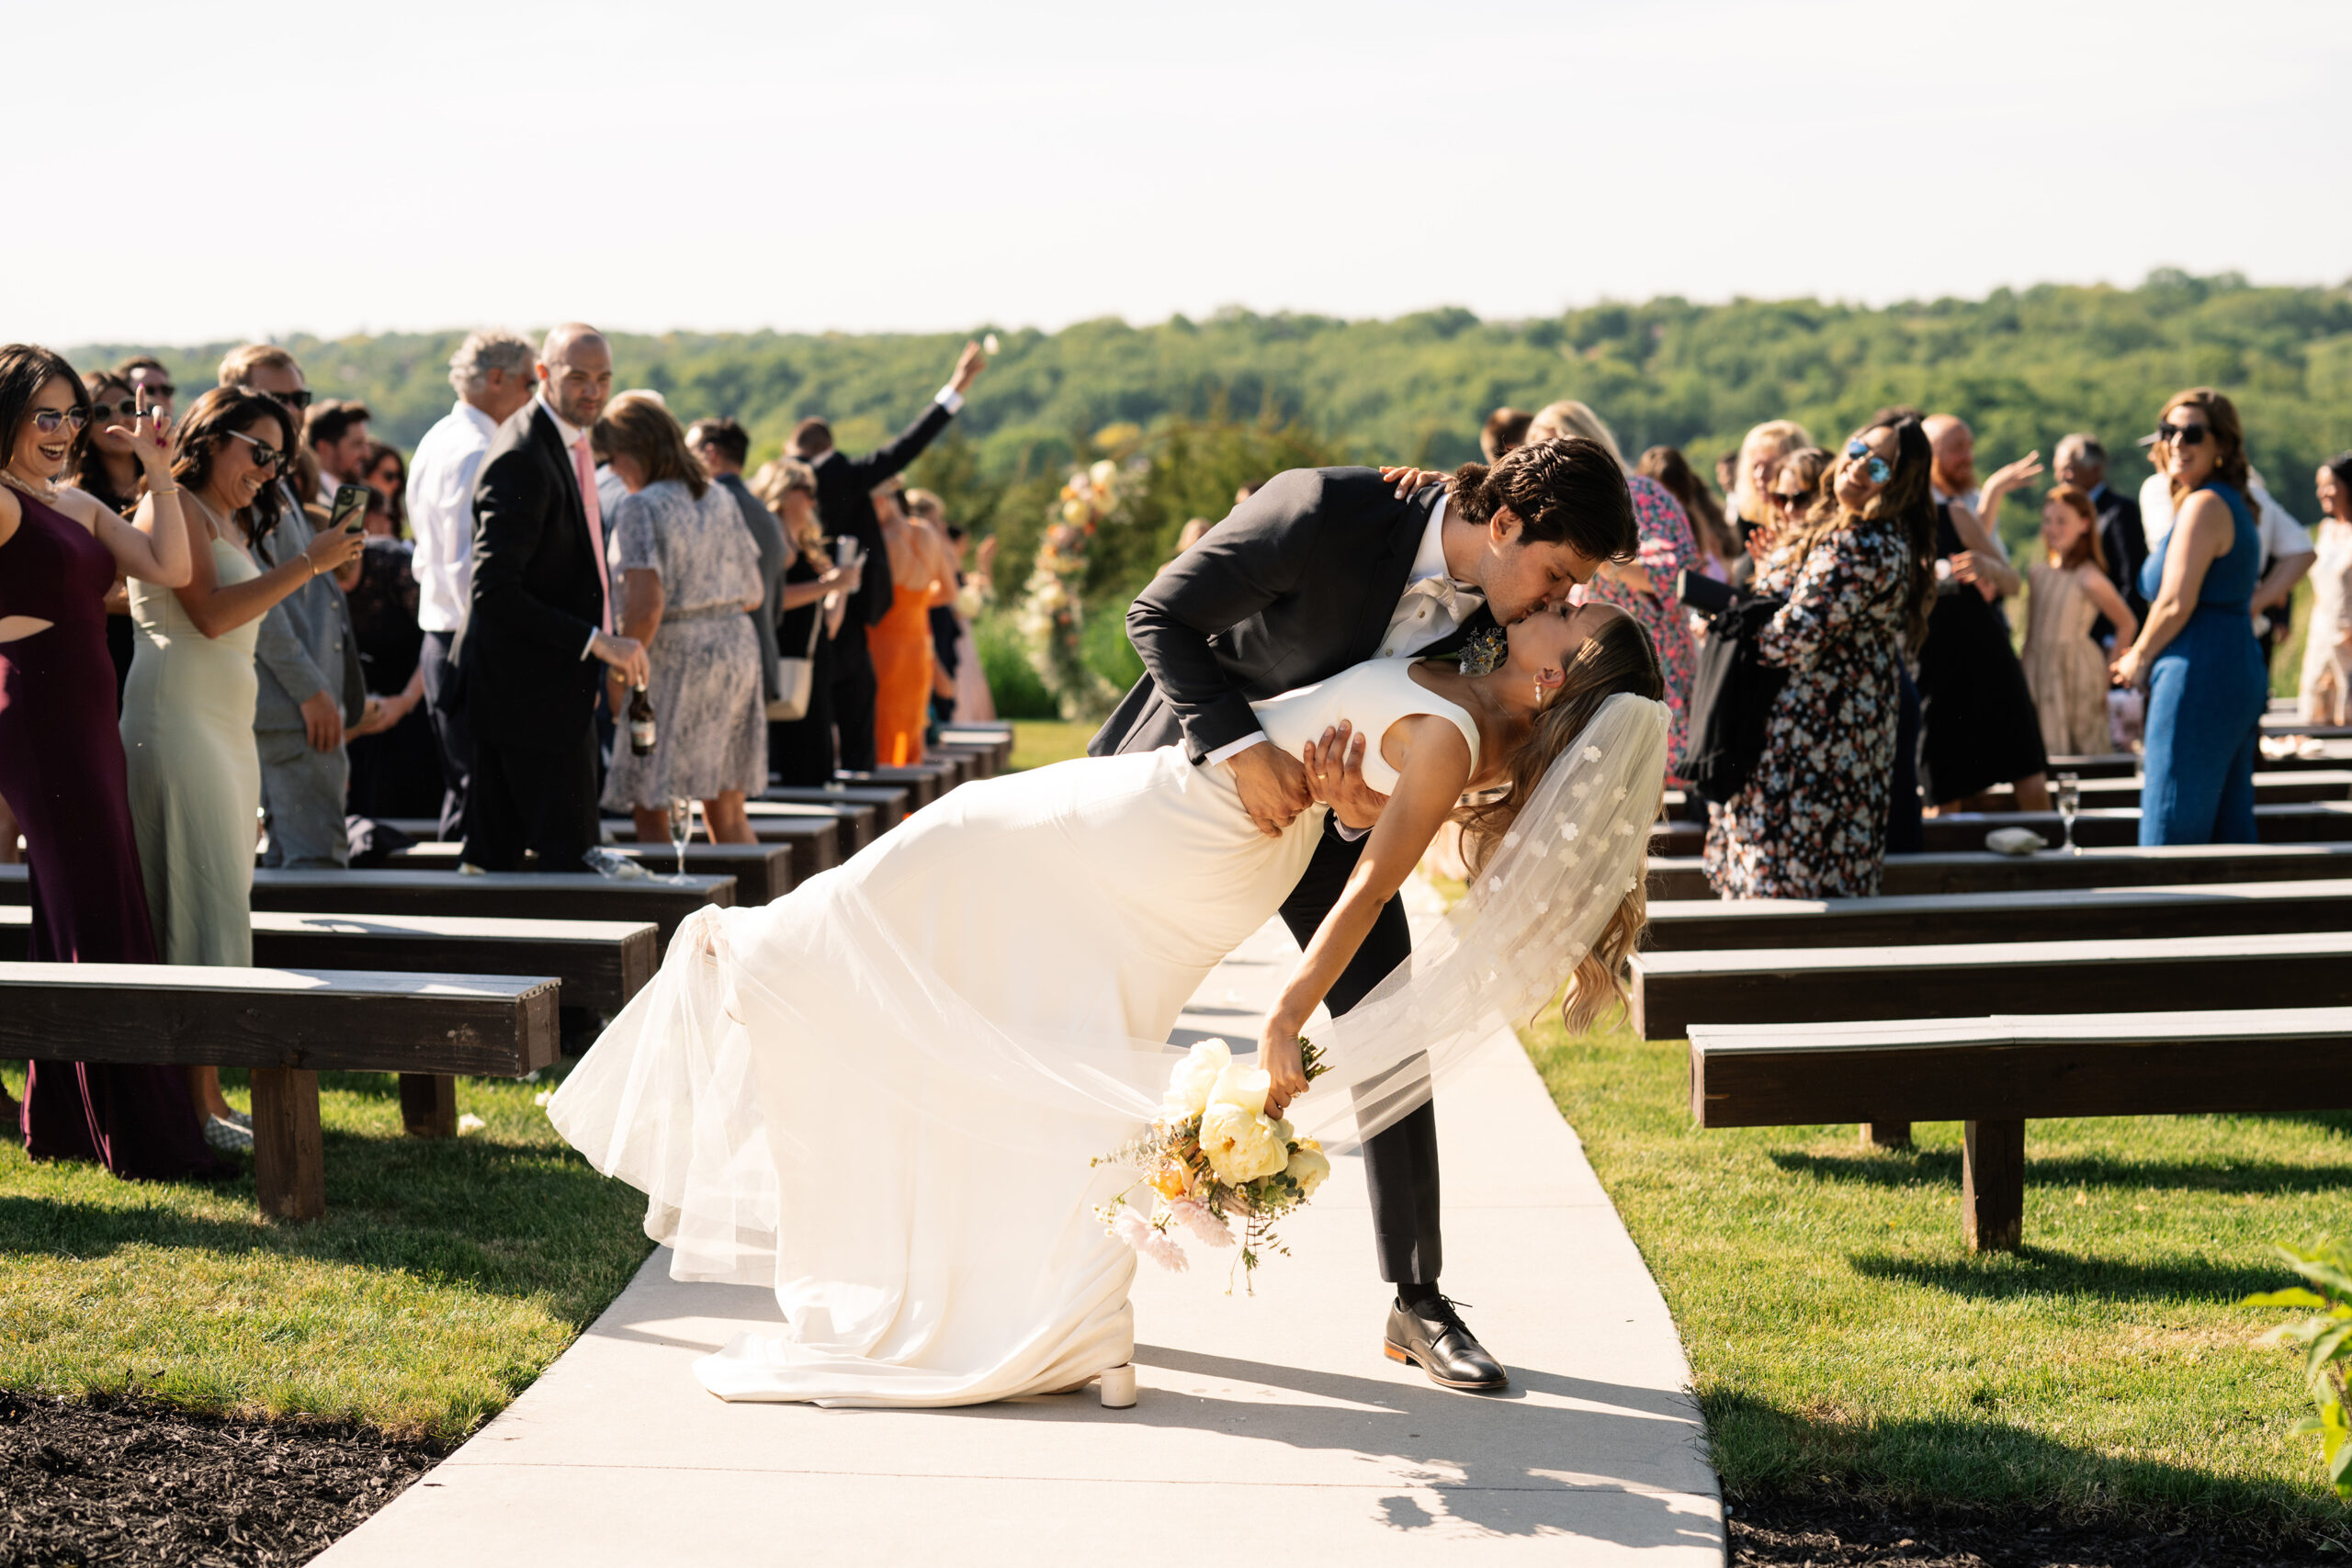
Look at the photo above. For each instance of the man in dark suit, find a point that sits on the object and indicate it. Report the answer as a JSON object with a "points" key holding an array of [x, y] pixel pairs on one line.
{"points": [[845, 510], [2081, 461], [538, 628], [1319, 570]]}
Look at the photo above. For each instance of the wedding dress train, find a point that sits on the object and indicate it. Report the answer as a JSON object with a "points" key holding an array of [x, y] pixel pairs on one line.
{"points": [[881, 1094]]}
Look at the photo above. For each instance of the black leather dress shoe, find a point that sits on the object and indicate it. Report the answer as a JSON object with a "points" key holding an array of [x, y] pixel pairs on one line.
{"points": [[1432, 1336]]}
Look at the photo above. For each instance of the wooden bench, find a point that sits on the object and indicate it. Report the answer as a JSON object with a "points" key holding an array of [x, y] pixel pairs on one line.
{"points": [[924, 782], [892, 802], [856, 823], [996, 738], [496, 895], [1685, 878], [1994, 1075], [761, 871], [2227, 909], [286, 1026], [1674, 991], [2315, 822], [2292, 786], [980, 761]]}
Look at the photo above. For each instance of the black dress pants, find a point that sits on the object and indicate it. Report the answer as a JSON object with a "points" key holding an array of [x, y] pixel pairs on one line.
{"points": [[854, 693], [1400, 1161], [523, 799], [444, 706]]}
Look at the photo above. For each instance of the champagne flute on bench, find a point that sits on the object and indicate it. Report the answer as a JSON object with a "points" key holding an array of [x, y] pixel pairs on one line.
{"points": [[2070, 801], [681, 828]]}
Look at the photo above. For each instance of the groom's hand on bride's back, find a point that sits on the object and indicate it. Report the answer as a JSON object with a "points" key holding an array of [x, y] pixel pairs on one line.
{"points": [[1335, 778], [1273, 785]]}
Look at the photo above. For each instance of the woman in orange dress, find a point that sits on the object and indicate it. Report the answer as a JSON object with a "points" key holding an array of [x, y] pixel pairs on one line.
{"points": [[922, 575]]}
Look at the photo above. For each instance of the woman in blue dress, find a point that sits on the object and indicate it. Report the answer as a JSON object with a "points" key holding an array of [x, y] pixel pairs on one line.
{"points": [[2197, 654]]}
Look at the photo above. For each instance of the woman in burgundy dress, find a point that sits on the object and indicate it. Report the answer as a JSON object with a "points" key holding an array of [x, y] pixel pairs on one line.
{"points": [[61, 756]]}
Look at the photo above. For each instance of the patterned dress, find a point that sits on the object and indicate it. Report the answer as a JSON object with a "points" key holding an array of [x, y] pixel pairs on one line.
{"points": [[1812, 822], [710, 719], [1667, 546]]}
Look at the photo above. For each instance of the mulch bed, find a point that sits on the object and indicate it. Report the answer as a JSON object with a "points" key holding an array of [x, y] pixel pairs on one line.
{"points": [[1827, 1531], [133, 1482]]}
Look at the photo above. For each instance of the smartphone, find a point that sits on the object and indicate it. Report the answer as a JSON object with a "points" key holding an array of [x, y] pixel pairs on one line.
{"points": [[350, 512], [1702, 593], [847, 551]]}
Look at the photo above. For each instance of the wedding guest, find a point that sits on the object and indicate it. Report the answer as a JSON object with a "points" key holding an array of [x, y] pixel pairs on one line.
{"points": [[973, 702], [1642, 587], [1743, 498], [312, 687], [196, 779], [2324, 692], [689, 578], [812, 604], [2197, 657], [1191, 533], [845, 506], [395, 768], [336, 435], [2081, 461], [540, 621], [1673, 472], [62, 771], [2068, 590], [2288, 551], [921, 576], [1792, 487], [108, 471], [1855, 573], [947, 630], [721, 446], [1505, 428], [1978, 726], [491, 374], [386, 473]]}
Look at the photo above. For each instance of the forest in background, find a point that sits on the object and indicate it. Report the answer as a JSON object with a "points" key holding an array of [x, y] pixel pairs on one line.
{"points": [[1199, 406]]}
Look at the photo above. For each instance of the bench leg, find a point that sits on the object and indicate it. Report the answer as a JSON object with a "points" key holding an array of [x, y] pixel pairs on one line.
{"points": [[290, 1158], [1992, 1185], [1886, 1134], [429, 1105]]}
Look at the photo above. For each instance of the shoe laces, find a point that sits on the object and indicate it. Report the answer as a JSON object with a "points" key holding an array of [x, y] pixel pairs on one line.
{"points": [[1443, 1309]]}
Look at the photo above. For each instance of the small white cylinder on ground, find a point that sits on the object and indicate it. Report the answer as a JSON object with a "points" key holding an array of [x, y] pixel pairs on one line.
{"points": [[1119, 1387]]}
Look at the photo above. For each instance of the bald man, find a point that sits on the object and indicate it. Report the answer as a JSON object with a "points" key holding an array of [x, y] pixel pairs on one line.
{"points": [[539, 632]]}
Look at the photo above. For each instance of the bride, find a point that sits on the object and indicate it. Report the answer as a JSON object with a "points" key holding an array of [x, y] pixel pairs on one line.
{"points": [[880, 1094]]}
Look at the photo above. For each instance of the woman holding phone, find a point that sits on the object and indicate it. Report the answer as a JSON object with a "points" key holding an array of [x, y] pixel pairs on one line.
{"points": [[188, 714], [810, 609]]}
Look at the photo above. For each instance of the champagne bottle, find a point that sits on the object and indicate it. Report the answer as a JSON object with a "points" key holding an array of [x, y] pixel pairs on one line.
{"points": [[640, 722]]}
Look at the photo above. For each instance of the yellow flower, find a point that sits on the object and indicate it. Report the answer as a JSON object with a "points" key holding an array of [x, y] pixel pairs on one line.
{"points": [[1190, 1080], [1246, 1087], [1240, 1144], [1309, 1167]]}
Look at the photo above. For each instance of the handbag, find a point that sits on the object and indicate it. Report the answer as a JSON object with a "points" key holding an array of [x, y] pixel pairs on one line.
{"points": [[1732, 693], [795, 679]]}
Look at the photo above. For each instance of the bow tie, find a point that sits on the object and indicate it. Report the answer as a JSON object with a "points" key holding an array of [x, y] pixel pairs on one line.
{"points": [[1458, 598]]}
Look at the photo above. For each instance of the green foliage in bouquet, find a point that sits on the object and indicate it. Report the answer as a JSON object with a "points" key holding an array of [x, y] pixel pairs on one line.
{"points": [[2326, 1339]]}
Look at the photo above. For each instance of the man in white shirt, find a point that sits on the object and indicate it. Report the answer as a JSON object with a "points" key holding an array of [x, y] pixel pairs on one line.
{"points": [[491, 373]]}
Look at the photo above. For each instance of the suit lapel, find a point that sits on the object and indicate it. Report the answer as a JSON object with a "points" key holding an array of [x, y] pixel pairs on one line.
{"points": [[550, 440], [1389, 576]]}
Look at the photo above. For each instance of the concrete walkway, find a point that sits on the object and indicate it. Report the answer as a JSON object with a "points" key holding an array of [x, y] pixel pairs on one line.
{"points": [[1272, 1420]]}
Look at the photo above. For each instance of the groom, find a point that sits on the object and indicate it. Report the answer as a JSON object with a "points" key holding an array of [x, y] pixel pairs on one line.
{"points": [[1319, 570]]}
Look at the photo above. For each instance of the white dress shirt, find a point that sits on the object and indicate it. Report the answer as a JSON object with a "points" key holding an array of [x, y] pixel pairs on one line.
{"points": [[1432, 606], [2282, 535], [441, 513]]}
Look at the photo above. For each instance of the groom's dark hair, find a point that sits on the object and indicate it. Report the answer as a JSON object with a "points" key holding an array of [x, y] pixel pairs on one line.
{"points": [[1568, 490]]}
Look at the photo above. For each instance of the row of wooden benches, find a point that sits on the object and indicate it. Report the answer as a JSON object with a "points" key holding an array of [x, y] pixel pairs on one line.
{"points": [[428, 974]]}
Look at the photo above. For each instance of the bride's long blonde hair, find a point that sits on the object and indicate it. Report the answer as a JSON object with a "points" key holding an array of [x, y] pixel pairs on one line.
{"points": [[1617, 658]]}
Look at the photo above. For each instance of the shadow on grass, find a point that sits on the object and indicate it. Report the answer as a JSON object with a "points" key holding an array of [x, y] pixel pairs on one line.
{"points": [[1935, 1464], [1932, 1167], [2034, 1271]]}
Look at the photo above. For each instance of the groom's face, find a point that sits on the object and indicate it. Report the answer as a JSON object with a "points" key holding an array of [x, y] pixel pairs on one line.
{"points": [[1523, 576]]}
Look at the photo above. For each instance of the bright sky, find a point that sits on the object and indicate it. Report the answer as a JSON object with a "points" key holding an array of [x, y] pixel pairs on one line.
{"points": [[935, 165]]}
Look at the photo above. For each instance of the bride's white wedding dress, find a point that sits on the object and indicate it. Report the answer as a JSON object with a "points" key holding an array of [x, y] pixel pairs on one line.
{"points": [[880, 1094]]}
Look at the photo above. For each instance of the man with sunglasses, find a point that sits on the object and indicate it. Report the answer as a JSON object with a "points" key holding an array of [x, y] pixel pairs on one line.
{"points": [[312, 686]]}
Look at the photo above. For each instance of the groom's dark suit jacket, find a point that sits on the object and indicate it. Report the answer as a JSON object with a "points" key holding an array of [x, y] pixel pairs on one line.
{"points": [[1297, 585]]}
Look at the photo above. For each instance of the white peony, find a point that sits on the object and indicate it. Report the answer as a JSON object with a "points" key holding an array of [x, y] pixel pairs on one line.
{"points": [[1243, 1087], [1190, 1080], [1309, 1167], [1241, 1144]]}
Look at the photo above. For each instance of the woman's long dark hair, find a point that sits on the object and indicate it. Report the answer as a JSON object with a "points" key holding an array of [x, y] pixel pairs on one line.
{"points": [[1905, 502], [208, 426], [25, 370]]}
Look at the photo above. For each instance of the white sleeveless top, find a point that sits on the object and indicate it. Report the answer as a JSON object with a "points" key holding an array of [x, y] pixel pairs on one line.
{"points": [[1372, 696]]}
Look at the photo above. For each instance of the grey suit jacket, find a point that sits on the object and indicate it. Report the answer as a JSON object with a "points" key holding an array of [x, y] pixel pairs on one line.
{"points": [[306, 644], [775, 556], [1297, 584]]}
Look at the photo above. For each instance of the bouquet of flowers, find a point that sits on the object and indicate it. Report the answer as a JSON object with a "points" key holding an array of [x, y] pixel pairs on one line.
{"points": [[1214, 1154]]}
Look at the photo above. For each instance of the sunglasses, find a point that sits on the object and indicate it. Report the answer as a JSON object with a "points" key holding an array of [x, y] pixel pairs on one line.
{"points": [[1878, 467], [2182, 434], [127, 409], [1791, 499], [298, 401], [47, 421], [265, 454]]}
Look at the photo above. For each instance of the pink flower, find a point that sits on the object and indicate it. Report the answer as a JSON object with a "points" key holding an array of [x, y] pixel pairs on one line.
{"points": [[1206, 1228], [1135, 1231]]}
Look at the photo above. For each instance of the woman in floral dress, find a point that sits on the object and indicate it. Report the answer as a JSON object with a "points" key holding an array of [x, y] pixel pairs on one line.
{"points": [[1811, 822]]}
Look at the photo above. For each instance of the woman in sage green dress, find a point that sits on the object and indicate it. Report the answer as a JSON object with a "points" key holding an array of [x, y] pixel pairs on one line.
{"points": [[187, 709]]}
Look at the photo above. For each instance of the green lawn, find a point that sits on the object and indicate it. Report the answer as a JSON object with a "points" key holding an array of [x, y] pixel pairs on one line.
{"points": [[1839, 1334], [445, 1277], [1038, 741]]}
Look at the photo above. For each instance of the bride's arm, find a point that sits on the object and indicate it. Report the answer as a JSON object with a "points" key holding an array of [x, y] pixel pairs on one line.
{"points": [[1436, 770]]}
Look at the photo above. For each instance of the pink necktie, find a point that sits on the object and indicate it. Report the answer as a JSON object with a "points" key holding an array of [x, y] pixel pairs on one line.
{"points": [[585, 468]]}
